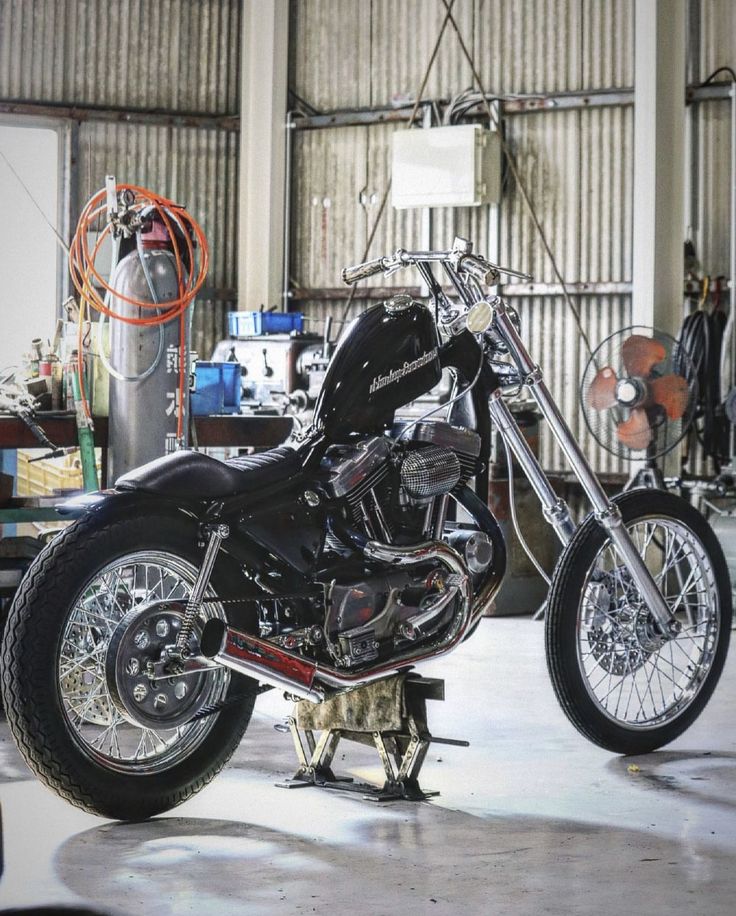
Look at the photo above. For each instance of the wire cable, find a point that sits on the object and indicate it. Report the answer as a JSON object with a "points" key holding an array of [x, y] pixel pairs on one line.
{"points": [[447, 404], [410, 125], [701, 339], [709, 79], [35, 203], [510, 158]]}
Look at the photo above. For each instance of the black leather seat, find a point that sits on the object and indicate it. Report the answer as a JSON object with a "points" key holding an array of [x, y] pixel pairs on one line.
{"points": [[193, 475]]}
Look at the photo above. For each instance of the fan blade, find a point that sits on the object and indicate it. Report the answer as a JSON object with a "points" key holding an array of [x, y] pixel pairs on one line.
{"points": [[602, 391], [671, 391], [641, 354], [635, 433]]}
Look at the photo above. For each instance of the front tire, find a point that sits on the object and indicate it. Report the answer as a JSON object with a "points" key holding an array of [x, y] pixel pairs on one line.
{"points": [[70, 730], [618, 683]]}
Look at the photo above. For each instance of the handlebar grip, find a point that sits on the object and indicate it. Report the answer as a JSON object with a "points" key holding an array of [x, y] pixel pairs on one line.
{"points": [[479, 269], [361, 271]]}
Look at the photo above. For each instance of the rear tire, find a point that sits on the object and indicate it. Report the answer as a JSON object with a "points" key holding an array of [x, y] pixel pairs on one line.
{"points": [[613, 683], [58, 705]]}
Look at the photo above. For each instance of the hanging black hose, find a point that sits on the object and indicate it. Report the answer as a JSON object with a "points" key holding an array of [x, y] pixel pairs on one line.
{"points": [[701, 338]]}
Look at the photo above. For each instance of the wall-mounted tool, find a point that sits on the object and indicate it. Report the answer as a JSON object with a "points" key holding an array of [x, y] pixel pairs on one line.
{"points": [[16, 401]]}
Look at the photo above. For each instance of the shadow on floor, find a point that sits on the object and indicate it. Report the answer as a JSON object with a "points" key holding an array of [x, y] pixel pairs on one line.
{"points": [[418, 859]]}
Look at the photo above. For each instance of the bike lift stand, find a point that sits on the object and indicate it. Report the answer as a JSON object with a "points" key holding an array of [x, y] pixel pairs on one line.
{"points": [[390, 715]]}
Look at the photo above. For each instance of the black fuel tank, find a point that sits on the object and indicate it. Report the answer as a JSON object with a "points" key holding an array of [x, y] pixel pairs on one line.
{"points": [[384, 360]]}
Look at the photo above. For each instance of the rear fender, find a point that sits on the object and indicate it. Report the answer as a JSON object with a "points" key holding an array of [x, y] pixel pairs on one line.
{"points": [[119, 503], [114, 504]]}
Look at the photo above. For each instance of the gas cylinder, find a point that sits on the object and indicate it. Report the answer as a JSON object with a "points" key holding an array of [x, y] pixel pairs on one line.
{"points": [[145, 359]]}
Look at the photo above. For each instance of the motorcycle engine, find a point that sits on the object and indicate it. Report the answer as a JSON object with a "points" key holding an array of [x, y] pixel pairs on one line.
{"points": [[394, 489], [388, 485]]}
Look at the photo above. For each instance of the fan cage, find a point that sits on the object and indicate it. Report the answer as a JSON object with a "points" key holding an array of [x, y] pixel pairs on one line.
{"points": [[602, 424]]}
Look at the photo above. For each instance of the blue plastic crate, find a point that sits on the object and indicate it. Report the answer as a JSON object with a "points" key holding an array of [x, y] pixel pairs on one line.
{"points": [[216, 389], [232, 387], [252, 324]]}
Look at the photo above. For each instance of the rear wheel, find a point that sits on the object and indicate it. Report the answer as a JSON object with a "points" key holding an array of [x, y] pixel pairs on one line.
{"points": [[620, 683], [88, 621]]}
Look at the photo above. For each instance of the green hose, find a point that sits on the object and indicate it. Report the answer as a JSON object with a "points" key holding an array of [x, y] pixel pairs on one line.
{"points": [[86, 437]]}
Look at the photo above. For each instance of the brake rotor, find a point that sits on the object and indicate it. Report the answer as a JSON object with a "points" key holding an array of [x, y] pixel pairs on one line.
{"points": [[619, 634], [136, 645], [82, 680], [83, 683]]}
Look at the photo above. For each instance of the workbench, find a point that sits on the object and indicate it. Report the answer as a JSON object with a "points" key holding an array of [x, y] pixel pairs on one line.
{"points": [[234, 430], [237, 430]]}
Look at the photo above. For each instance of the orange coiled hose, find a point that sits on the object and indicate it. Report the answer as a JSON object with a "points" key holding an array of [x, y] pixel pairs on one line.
{"points": [[83, 272]]}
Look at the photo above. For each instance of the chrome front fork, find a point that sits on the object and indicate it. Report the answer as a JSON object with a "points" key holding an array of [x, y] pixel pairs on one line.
{"points": [[555, 509]]}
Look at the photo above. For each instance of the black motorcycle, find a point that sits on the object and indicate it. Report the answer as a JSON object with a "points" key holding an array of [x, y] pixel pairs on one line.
{"points": [[138, 639]]}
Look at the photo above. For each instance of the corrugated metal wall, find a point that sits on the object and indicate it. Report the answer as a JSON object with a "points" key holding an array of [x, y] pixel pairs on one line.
{"points": [[348, 54], [577, 164], [171, 54], [177, 57]]}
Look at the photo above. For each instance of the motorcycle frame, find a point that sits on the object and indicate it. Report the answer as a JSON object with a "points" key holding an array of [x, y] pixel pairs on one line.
{"points": [[482, 397], [556, 511], [485, 390]]}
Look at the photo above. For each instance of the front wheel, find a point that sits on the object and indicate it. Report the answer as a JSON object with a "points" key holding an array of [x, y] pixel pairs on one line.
{"points": [[619, 682], [89, 619]]}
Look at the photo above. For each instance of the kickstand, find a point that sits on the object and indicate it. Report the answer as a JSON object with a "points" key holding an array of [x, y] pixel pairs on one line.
{"points": [[541, 611]]}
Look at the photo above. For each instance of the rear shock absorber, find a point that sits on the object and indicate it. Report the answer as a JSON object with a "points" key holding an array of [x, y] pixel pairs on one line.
{"points": [[218, 533]]}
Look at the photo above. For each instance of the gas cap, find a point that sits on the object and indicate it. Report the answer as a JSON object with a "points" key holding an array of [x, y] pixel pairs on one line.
{"points": [[398, 303]]}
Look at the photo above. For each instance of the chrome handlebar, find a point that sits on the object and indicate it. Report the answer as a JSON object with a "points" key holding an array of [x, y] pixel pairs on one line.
{"points": [[478, 268], [459, 257], [351, 275]]}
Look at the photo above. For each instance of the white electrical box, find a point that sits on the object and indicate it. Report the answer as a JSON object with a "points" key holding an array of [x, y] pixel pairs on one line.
{"points": [[457, 166]]}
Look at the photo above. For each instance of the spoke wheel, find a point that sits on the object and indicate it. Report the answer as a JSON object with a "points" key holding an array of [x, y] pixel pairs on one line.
{"points": [[86, 599], [620, 682], [95, 719]]}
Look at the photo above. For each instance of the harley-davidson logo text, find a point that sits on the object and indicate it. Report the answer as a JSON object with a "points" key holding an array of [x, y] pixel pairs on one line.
{"points": [[380, 381]]}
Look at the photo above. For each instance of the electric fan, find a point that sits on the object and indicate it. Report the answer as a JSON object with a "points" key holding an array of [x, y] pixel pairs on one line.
{"points": [[639, 393]]}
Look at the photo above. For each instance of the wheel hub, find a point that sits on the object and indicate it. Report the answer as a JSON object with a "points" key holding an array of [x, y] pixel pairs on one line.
{"points": [[139, 689], [623, 634]]}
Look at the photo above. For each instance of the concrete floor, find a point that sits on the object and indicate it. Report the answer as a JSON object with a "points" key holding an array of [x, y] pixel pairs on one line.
{"points": [[532, 818]]}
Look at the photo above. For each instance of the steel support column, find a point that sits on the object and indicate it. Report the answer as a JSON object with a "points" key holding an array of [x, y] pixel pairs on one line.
{"points": [[659, 162], [264, 71]]}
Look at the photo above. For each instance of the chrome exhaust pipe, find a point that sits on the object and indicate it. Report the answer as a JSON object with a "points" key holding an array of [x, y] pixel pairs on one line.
{"points": [[260, 659], [270, 664]]}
